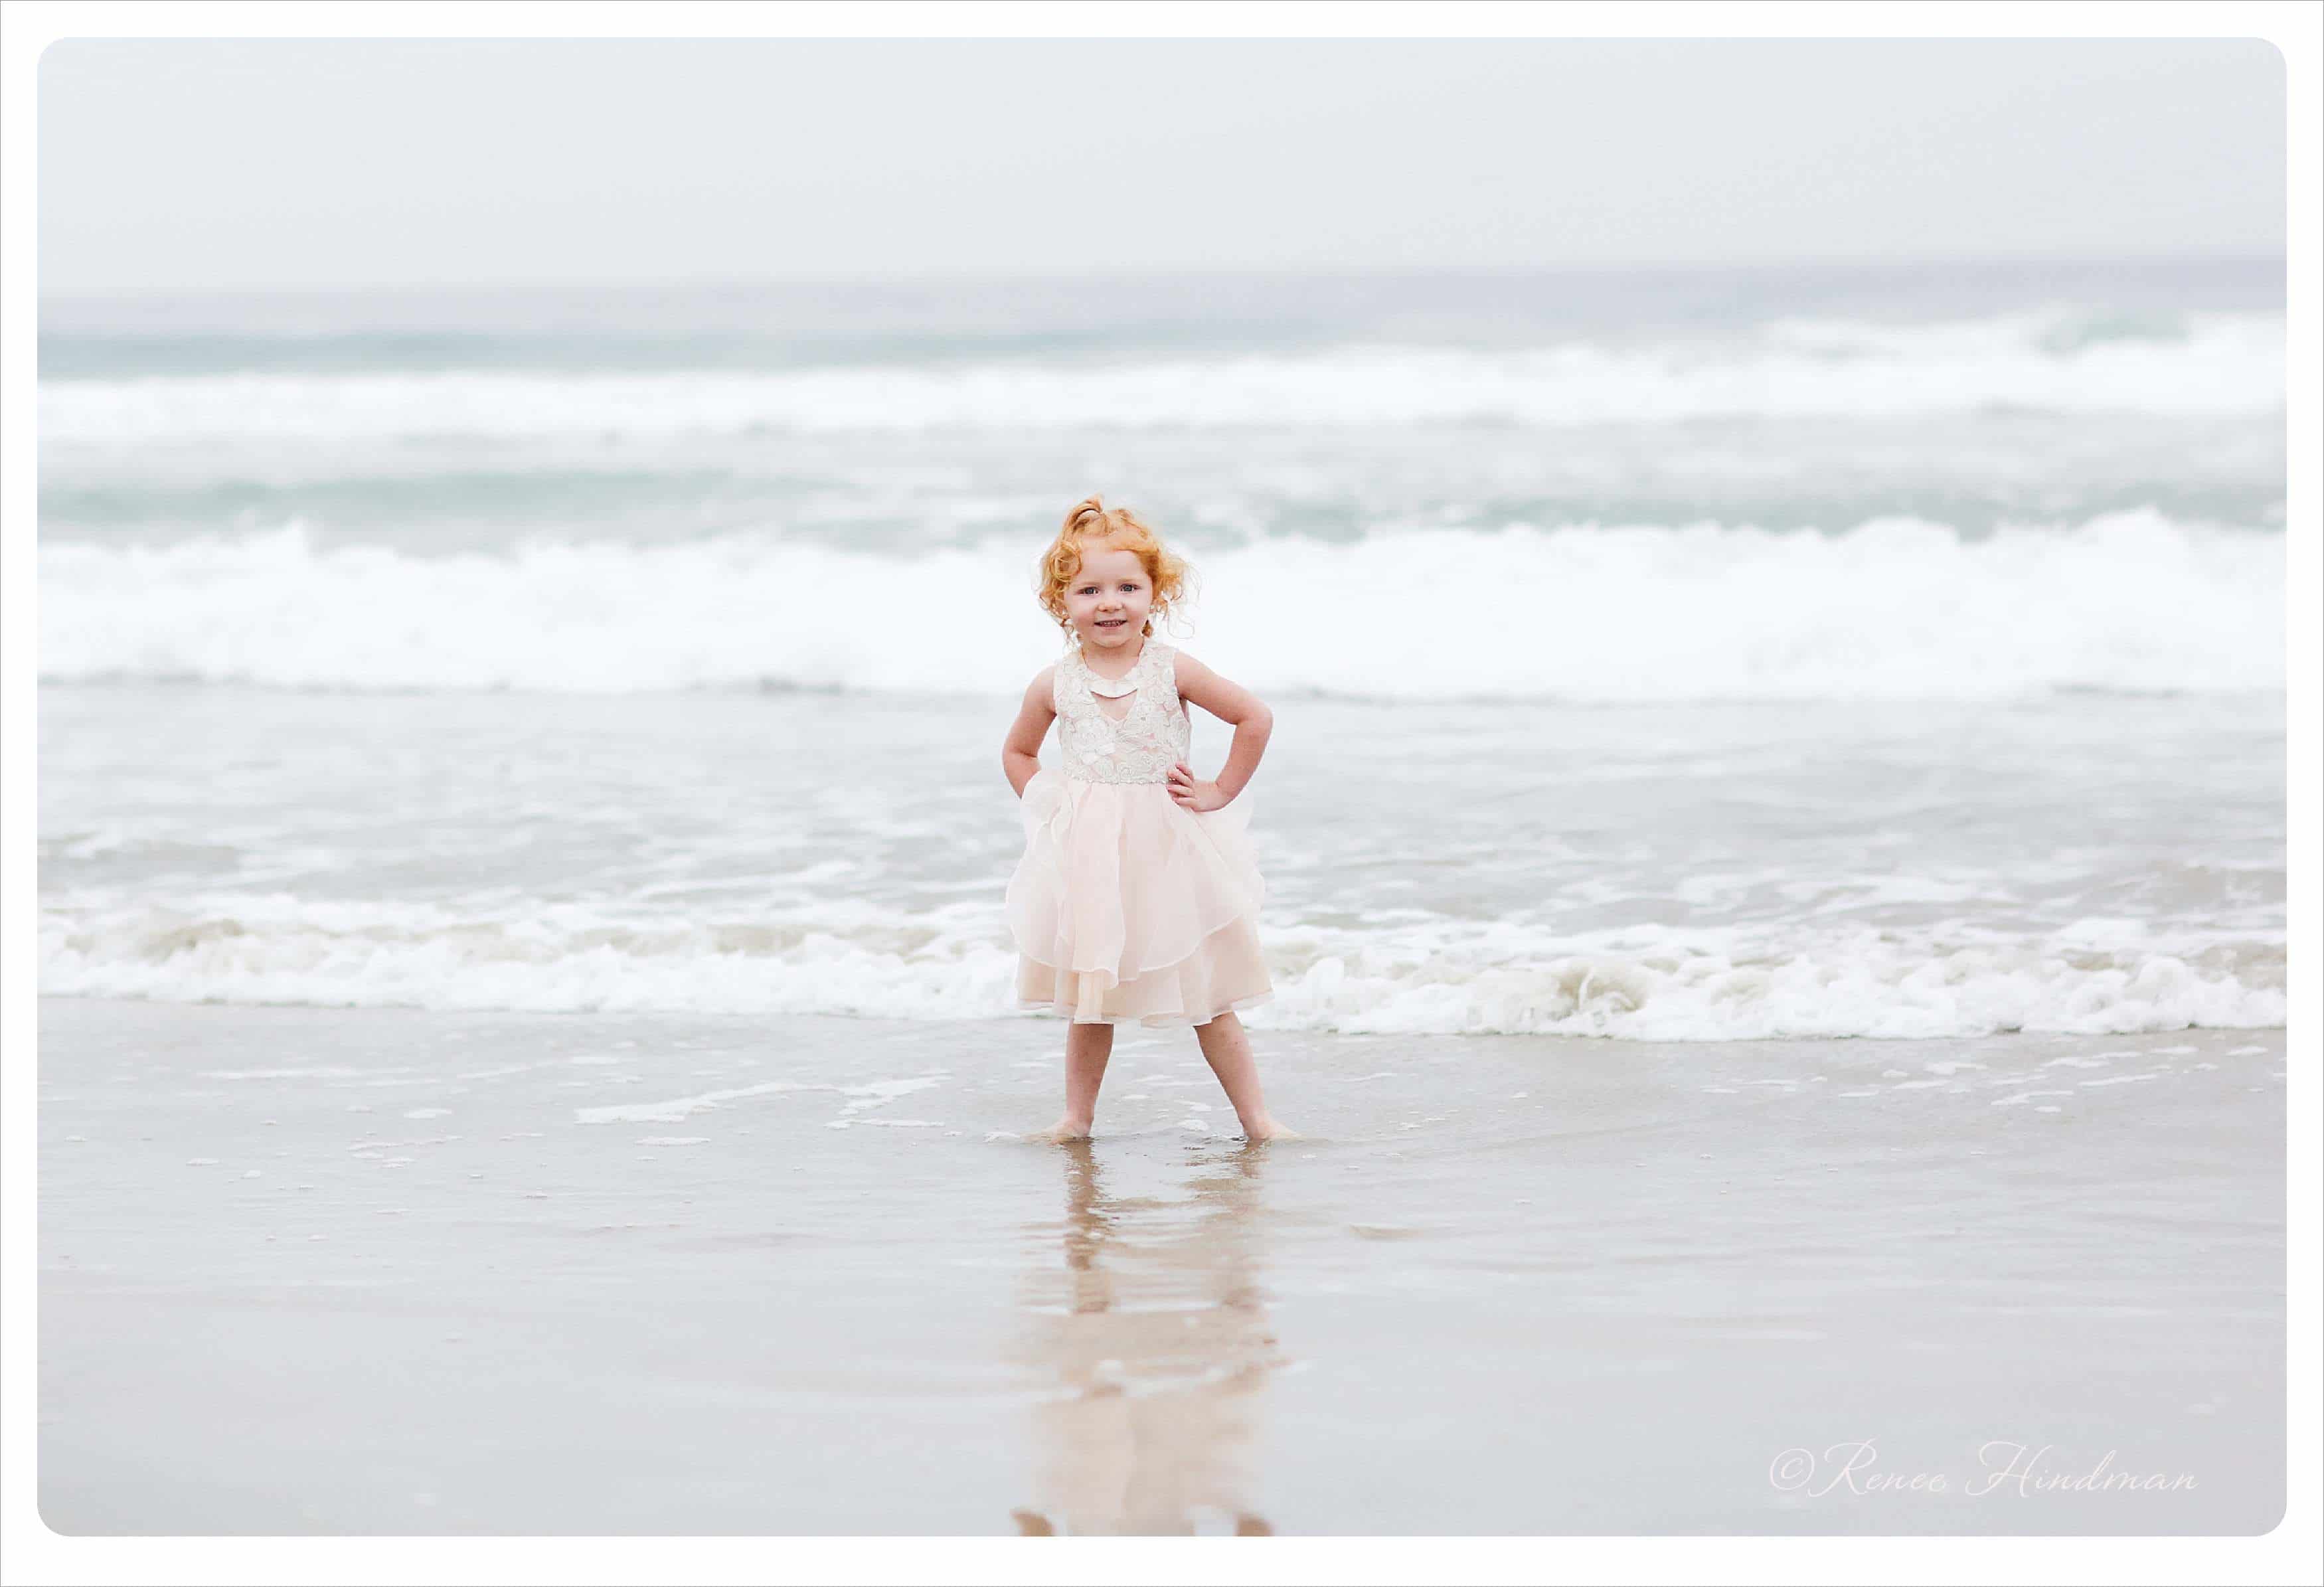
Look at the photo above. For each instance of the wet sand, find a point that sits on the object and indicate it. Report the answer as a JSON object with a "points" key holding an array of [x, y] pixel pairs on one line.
{"points": [[316, 1270]]}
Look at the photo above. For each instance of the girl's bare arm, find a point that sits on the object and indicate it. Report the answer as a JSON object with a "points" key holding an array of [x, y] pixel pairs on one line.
{"points": [[1021, 752], [1229, 702]]}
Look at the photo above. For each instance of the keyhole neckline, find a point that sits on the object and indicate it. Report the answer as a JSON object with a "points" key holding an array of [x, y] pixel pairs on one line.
{"points": [[1145, 653], [1135, 678]]}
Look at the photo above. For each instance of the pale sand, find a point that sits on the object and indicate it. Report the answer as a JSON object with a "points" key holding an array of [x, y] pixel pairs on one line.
{"points": [[421, 1280]]}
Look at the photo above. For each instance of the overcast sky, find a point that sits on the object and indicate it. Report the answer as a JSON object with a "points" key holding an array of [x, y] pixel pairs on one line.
{"points": [[195, 166]]}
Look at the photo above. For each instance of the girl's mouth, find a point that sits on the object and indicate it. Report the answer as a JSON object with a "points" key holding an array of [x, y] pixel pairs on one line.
{"points": [[1111, 622]]}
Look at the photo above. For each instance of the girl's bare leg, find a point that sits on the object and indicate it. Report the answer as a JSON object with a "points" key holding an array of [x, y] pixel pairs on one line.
{"points": [[1088, 1045], [1228, 1047]]}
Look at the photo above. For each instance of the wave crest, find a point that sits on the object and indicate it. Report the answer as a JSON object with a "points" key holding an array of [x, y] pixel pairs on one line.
{"points": [[1893, 609]]}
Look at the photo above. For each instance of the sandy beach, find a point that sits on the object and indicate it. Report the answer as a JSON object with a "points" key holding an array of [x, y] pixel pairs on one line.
{"points": [[312, 1270]]}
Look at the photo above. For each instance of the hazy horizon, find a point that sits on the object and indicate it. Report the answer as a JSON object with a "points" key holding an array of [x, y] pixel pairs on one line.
{"points": [[2157, 259], [742, 321]]}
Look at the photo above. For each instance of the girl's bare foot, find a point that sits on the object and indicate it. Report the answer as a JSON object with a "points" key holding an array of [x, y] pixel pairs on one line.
{"points": [[1267, 1129], [1067, 1128]]}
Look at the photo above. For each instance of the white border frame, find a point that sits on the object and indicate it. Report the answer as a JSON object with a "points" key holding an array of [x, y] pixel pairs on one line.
{"points": [[31, 1552]]}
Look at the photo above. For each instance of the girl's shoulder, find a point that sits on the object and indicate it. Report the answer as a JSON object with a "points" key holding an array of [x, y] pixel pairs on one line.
{"points": [[1043, 689]]}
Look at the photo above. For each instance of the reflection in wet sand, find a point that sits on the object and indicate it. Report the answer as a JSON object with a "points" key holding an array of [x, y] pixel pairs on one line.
{"points": [[1155, 1330]]}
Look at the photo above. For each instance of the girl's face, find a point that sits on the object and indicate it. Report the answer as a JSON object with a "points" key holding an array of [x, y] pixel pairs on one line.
{"points": [[1108, 599]]}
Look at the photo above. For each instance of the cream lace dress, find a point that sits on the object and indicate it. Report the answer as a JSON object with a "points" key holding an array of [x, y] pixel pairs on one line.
{"points": [[1127, 905]]}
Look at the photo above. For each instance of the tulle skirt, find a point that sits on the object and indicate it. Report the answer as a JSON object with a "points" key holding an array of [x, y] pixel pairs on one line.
{"points": [[1128, 905]]}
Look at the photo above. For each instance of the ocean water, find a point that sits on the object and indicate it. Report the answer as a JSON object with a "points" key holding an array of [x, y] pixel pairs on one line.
{"points": [[1677, 657]]}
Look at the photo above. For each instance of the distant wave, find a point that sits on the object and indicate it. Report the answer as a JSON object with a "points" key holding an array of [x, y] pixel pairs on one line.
{"points": [[2218, 363], [1893, 609], [2106, 976]]}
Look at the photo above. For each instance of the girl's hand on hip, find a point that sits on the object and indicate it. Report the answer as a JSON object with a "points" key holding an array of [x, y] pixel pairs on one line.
{"points": [[1194, 793]]}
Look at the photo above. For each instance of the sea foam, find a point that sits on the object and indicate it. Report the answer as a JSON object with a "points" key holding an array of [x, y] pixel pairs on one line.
{"points": [[1421, 977], [1892, 608]]}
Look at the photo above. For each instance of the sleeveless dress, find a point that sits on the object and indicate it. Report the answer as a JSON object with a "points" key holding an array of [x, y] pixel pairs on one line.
{"points": [[1127, 905]]}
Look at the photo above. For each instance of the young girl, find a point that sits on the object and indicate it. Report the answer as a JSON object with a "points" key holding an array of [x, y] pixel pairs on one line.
{"points": [[1137, 896]]}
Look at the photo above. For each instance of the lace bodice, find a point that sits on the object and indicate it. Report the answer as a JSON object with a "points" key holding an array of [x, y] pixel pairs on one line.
{"points": [[1142, 745]]}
